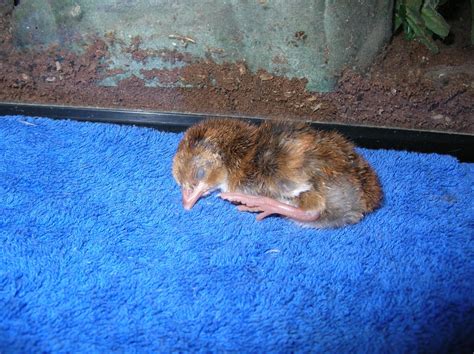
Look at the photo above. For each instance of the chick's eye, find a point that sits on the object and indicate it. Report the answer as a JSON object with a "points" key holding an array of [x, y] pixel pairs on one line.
{"points": [[200, 173]]}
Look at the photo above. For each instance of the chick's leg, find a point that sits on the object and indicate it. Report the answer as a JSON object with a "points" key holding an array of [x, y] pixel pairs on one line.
{"points": [[268, 206]]}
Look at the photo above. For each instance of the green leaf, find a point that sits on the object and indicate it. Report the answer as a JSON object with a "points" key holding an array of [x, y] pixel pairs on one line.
{"points": [[414, 18], [398, 22], [398, 4], [434, 21], [431, 3], [414, 5], [420, 20], [422, 34]]}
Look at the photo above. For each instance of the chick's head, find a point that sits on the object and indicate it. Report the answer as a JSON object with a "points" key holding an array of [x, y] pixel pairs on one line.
{"points": [[198, 169]]}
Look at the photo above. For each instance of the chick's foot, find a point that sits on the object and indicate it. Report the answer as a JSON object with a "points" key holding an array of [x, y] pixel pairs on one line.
{"points": [[268, 206]]}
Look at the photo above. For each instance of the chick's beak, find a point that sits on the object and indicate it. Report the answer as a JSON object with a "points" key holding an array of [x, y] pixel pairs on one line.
{"points": [[192, 195]]}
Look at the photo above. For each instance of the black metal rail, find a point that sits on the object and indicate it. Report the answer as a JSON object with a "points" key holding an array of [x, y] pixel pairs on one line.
{"points": [[455, 144]]}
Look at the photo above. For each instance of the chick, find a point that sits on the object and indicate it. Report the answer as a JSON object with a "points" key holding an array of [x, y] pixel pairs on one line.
{"points": [[315, 178]]}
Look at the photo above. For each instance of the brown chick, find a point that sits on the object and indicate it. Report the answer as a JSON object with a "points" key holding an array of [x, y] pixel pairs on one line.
{"points": [[315, 178]]}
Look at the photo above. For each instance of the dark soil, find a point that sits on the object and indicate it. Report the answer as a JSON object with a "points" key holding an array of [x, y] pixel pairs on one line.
{"points": [[407, 86]]}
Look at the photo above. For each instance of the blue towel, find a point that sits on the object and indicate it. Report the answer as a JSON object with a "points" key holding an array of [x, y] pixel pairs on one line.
{"points": [[97, 255]]}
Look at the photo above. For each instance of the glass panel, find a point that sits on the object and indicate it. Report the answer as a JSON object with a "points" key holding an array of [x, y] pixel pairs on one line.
{"points": [[304, 59]]}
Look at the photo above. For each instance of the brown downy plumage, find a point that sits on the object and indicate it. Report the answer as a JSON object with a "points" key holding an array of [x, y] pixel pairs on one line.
{"points": [[315, 178]]}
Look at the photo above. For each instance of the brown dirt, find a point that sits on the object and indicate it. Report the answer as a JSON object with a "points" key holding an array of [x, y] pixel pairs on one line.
{"points": [[406, 87]]}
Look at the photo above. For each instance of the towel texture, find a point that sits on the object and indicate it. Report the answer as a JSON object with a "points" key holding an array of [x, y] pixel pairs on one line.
{"points": [[97, 255]]}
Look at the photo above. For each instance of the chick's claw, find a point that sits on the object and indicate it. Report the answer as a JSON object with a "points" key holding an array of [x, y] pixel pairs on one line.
{"points": [[268, 206], [250, 203], [255, 209], [243, 207]]}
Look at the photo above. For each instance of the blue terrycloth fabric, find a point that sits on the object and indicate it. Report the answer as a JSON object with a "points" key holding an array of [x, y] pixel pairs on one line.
{"points": [[97, 255]]}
